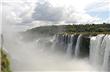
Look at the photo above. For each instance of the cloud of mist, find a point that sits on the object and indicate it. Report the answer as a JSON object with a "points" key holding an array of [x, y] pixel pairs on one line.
{"points": [[35, 56]]}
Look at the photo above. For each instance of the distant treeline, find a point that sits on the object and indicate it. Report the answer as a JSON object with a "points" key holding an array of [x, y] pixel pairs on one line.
{"points": [[91, 28], [88, 29]]}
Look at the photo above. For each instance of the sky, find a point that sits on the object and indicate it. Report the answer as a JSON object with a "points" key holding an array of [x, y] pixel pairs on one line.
{"points": [[23, 14]]}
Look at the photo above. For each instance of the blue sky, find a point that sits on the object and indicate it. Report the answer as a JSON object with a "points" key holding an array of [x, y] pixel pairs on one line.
{"points": [[100, 14], [100, 9]]}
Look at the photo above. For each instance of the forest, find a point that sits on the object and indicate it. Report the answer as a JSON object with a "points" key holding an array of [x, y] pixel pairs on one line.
{"points": [[92, 29]]}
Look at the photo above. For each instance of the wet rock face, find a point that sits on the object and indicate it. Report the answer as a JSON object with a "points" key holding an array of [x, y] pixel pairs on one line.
{"points": [[84, 47], [74, 41], [64, 41]]}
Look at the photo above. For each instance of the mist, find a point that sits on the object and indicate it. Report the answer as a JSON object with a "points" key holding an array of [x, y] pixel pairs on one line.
{"points": [[39, 55]]}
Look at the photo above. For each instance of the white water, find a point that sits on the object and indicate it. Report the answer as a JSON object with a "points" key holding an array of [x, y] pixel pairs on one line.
{"points": [[95, 50], [69, 48], [77, 46], [100, 51], [30, 57]]}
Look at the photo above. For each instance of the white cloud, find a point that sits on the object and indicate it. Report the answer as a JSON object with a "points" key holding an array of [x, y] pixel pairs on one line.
{"points": [[46, 12], [102, 5], [107, 20], [22, 14], [77, 4], [14, 12]]}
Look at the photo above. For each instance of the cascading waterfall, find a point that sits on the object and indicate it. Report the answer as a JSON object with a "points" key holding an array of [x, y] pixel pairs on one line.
{"points": [[106, 61], [96, 48], [69, 48], [72, 44], [77, 48], [100, 51]]}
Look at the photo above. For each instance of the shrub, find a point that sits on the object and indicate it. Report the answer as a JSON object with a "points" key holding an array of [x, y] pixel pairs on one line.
{"points": [[5, 63]]}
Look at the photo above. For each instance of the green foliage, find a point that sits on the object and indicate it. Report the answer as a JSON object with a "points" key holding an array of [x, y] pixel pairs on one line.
{"points": [[88, 29], [5, 64]]}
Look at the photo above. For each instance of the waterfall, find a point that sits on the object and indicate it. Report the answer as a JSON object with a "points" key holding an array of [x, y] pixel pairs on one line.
{"points": [[55, 40], [74, 45], [100, 51], [78, 46], [69, 48], [96, 48], [106, 62]]}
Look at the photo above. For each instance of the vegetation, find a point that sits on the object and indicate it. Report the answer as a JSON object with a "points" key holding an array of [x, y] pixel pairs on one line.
{"points": [[81, 28], [87, 29], [5, 64]]}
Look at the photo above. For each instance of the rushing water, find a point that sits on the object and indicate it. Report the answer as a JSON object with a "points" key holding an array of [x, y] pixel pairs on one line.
{"points": [[100, 51], [60, 53], [69, 48], [77, 48]]}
